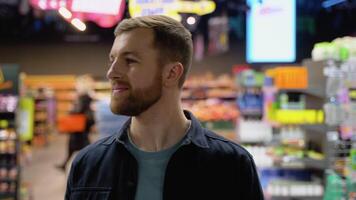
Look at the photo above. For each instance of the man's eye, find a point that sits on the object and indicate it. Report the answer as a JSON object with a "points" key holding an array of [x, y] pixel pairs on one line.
{"points": [[130, 61]]}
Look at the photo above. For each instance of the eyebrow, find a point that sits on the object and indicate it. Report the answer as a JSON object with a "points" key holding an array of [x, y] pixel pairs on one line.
{"points": [[126, 53], [135, 53]]}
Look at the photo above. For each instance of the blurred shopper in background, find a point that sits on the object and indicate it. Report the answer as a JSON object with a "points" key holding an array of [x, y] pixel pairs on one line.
{"points": [[162, 152], [82, 105]]}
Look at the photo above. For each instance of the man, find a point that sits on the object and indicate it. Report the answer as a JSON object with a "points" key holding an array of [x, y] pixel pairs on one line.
{"points": [[162, 152]]}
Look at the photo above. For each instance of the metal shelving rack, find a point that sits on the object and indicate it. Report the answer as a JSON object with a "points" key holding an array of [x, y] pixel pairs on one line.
{"points": [[315, 134]]}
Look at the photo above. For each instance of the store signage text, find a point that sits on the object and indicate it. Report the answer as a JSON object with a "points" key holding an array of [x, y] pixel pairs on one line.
{"points": [[170, 8]]}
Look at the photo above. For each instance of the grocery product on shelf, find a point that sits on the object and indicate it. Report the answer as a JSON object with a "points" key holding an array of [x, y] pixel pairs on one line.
{"points": [[254, 131], [288, 77], [53, 97], [277, 121], [63, 87], [340, 112], [296, 189], [338, 187], [340, 49], [43, 117], [337, 60], [212, 101], [261, 156], [9, 137], [212, 110], [250, 102], [250, 127], [291, 84]]}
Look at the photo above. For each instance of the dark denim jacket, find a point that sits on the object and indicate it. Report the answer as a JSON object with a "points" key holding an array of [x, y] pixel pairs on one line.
{"points": [[206, 166]]}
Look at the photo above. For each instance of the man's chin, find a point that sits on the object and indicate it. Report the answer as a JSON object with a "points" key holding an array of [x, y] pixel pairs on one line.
{"points": [[115, 108], [118, 110]]}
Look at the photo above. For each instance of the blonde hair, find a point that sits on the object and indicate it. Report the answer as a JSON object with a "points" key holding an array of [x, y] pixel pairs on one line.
{"points": [[171, 38]]}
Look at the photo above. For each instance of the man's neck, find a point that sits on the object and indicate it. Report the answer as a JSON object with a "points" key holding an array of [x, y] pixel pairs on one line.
{"points": [[159, 128]]}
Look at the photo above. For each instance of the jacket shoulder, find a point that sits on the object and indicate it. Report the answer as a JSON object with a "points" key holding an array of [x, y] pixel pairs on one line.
{"points": [[224, 145], [94, 150], [238, 164]]}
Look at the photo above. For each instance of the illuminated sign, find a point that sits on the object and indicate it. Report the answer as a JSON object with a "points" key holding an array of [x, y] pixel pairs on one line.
{"points": [[105, 13], [48, 4], [271, 31], [110, 7], [170, 8]]}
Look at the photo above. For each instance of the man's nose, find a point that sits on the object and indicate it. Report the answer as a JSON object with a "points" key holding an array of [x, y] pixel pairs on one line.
{"points": [[114, 71]]}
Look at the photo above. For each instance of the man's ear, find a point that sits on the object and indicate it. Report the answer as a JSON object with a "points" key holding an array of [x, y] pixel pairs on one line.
{"points": [[172, 74]]}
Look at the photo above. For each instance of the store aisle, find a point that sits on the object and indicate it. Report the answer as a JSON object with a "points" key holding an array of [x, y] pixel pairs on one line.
{"points": [[46, 181]]}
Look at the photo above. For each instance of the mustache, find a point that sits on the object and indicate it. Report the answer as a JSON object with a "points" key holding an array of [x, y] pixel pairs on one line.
{"points": [[119, 82]]}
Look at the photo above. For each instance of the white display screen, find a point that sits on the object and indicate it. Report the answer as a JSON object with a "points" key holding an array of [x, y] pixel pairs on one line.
{"points": [[109, 7], [271, 31]]}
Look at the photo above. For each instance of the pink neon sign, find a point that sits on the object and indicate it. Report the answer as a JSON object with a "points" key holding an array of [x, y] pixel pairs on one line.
{"points": [[105, 13], [48, 4]]}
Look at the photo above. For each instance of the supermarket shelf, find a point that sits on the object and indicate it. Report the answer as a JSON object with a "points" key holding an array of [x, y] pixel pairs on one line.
{"points": [[66, 99], [62, 89], [103, 88], [297, 198], [310, 127], [206, 98], [41, 120], [41, 109], [251, 113], [305, 163], [40, 99], [100, 85], [301, 164], [8, 154], [9, 165], [8, 139], [316, 78], [7, 115], [252, 86], [7, 195], [206, 86], [318, 128], [309, 92], [8, 180], [316, 164]]}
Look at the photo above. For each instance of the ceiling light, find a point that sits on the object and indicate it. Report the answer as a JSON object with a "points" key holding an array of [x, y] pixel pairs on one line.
{"points": [[77, 23], [191, 20], [65, 13]]}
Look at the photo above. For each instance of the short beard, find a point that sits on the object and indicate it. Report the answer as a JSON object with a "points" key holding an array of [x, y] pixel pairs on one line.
{"points": [[139, 100]]}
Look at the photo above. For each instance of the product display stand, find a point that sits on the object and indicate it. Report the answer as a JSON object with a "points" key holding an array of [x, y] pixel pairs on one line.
{"points": [[281, 125], [42, 117], [340, 117], [9, 137], [9, 149]]}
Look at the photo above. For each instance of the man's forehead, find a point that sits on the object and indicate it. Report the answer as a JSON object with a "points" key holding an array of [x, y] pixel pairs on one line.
{"points": [[136, 41], [136, 35]]}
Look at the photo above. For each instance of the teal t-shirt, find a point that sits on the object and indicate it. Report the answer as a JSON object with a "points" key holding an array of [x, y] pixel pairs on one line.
{"points": [[151, 170]]}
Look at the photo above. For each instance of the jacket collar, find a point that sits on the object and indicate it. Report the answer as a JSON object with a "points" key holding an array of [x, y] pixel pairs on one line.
{"points": [[195, 134]]}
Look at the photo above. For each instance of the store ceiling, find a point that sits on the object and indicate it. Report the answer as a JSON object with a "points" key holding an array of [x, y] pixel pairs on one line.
{"points": [[21, 23]]}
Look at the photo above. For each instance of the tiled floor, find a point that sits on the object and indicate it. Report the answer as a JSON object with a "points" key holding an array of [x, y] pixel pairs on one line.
{"points": [[47, 182]]}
